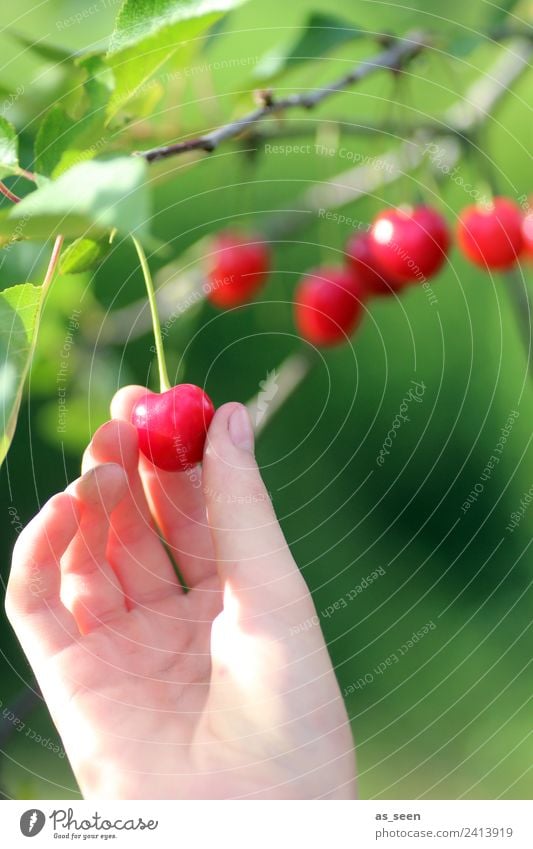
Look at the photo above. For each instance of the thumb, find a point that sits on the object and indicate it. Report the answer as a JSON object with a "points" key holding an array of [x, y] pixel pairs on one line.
{"points": [[250, 548], [261, 674]]}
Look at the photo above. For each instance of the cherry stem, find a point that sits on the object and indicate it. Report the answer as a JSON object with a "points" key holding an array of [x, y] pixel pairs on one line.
{"points": [[47, 282], [516, 285], [52, 265], [8, 193], [164, 382], [521, 302]]}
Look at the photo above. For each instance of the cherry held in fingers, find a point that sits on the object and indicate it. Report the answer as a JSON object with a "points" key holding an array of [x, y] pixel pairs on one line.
{"points": [[239, 267], [491, 235], [409, 244], [327, 305], [172, 426]]}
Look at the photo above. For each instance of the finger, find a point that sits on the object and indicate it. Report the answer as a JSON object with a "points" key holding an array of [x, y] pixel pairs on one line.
{"points": [[134, 549], [177, 504], [260, 671], [251, 551], [33, 604], [90, 588]]}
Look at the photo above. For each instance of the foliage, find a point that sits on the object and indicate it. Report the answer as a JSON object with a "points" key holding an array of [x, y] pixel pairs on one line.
{"points": [[99, 91]]}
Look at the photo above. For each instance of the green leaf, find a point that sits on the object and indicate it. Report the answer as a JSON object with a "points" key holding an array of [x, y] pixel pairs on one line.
{"points": [[148, 32], [83, 255], [89, 200], [140, 19], [63, 141], [214, 32], [19, 314], [464, 45], [99, 83], [49, 52], [9, 159], [501, 10], [321, 35]]}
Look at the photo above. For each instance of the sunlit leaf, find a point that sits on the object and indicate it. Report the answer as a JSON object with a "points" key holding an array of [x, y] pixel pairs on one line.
{"points": [[500, 10], [83, 255], [9, 160], [44, 50], [149, 32], [464, 45], [19, 312], [89, 199], [321, 35]]}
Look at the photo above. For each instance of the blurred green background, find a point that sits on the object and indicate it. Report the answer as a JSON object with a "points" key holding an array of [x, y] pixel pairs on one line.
{"points": [[453, 717]]}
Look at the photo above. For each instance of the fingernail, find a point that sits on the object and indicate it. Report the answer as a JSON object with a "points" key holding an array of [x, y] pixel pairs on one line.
{"points": [[240, 429]]}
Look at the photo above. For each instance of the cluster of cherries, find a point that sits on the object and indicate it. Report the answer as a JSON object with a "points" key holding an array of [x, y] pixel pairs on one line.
{"points": [[403, 246]]}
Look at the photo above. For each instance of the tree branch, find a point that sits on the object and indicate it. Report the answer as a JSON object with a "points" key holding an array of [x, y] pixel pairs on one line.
{"points": [[177, 290], [393, 58]]}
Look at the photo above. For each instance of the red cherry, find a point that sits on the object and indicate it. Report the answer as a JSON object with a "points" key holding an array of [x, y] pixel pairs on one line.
{"points": [[361, 262], [409, 244], [172, 426], [527, 235], [491, 235], [239, 267], [327, 305]]}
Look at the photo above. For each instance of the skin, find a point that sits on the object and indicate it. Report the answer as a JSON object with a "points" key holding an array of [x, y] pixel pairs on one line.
{"points": [[161, 693]]}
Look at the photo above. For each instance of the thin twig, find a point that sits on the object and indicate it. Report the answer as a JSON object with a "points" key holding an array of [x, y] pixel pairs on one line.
{"points": [[393, 59], [185, 288], [8, 193], [52, 265], [29, 175]]}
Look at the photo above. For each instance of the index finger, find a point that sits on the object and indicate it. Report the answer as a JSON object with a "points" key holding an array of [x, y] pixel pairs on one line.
{"points": [[177, 503]]}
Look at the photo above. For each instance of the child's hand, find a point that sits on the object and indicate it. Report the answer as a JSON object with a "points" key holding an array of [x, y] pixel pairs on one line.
{"points": [[158, 693]]}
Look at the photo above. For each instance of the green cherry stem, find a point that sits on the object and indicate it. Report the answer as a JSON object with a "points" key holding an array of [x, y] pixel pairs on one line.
{"points": [[164, 382], [52, 265]]}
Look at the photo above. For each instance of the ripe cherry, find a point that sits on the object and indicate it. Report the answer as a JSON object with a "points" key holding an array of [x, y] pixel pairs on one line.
{"points": [[172, 426], [490, 235], [361, 262], [409, 243], [327, 305], [239, 267]]}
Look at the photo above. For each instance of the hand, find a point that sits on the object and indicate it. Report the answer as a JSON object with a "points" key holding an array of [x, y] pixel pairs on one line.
{"points": [[161, 693]]}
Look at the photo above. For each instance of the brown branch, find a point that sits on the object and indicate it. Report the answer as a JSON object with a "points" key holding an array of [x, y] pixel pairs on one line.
{"points": [[393, 58], [179, 288]]}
